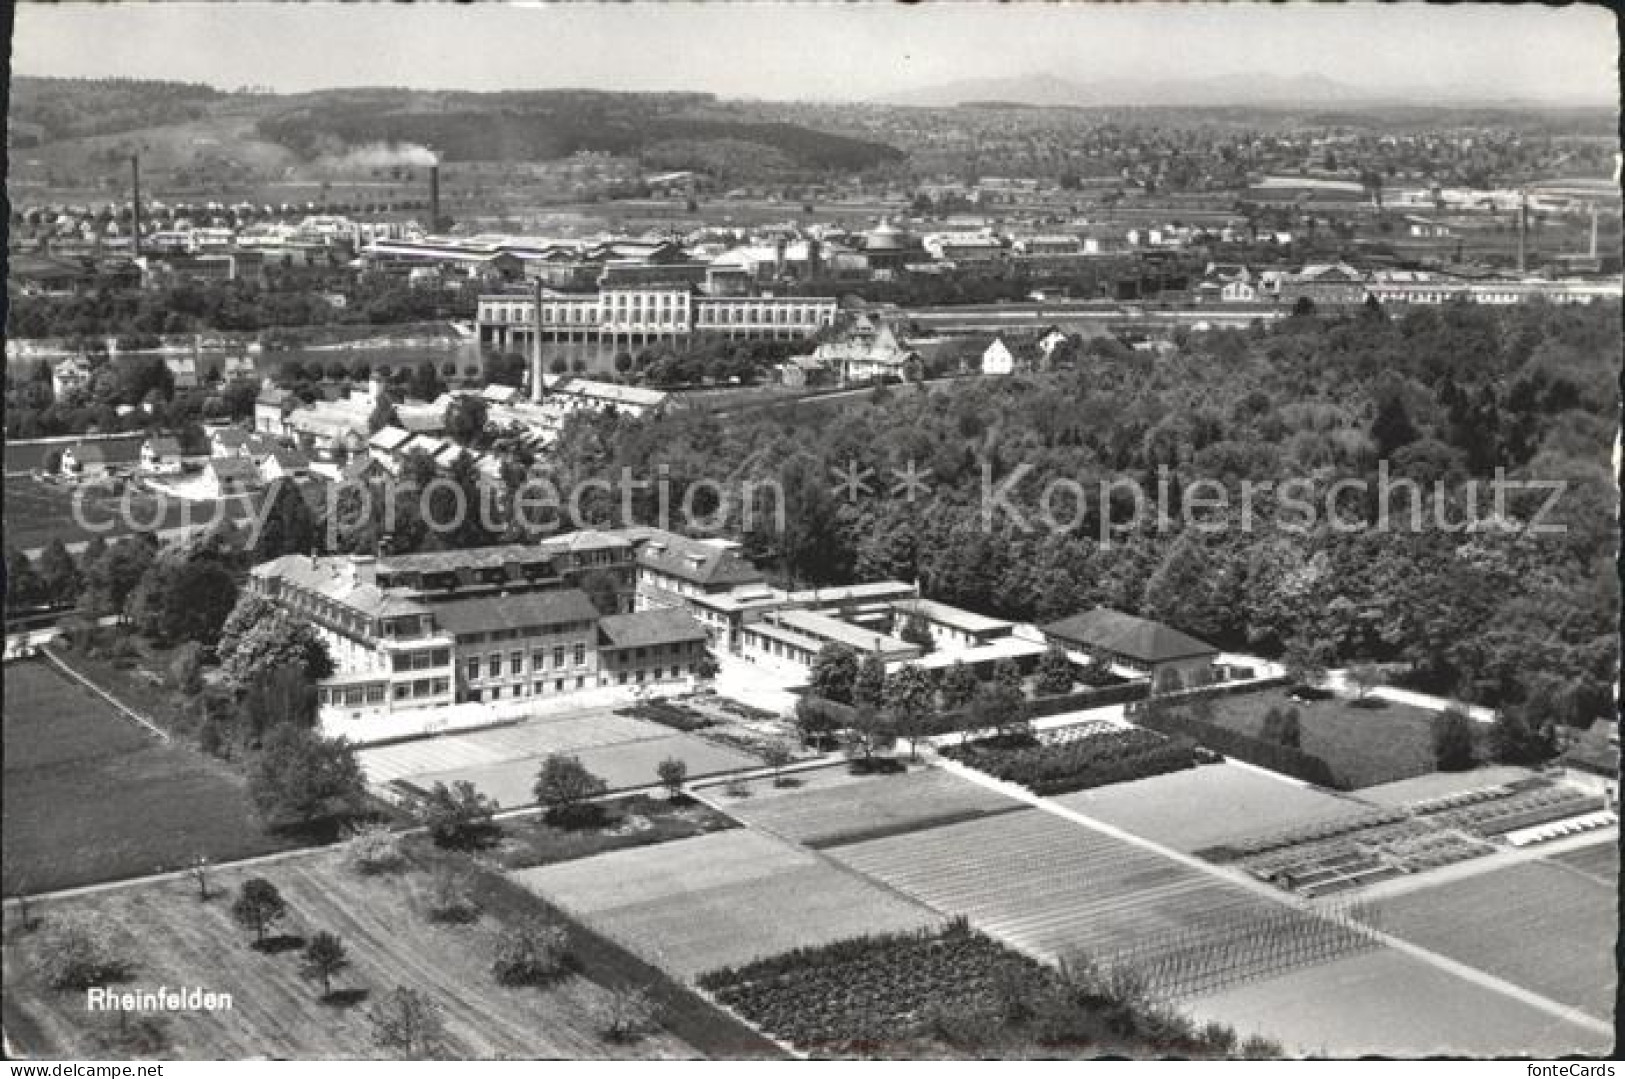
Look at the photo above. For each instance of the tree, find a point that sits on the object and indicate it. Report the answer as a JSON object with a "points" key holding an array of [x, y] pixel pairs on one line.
{"points": [[816, 722], [323, 958], [373, 848], [706, 668], [1054, 671], [408, 1024], [910, 697], [872, 730], [1516, 738], [603, 589], [198, 870], [624, 1014], [1006, 673], [284, 523], [834, 673], [58, 574], [200, 596], [916, 630], [869, 687], [1392, 428], [1282, 726], [466, 419], [958, 687], [186, 669], [383, 415], [300, 778], [77, 951], [274, 641], [283, 696], [258, 907], [1305, 660], [529, 953], [1000, 708], [1453, 741], [776, 755], [449, 896], [24, 585], [565, 786], [458, 816], [672, 773]]}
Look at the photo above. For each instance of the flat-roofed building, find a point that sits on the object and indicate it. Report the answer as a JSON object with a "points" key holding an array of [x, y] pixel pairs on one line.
{"points": [[789, 640]]}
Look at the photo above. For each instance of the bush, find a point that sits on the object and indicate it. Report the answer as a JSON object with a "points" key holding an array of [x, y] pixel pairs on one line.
{"points": [[1057, 767], [625, 1014], [77, 952], [458, 816], [530, 953], [373, 849], [449, 897], [566, 787]]}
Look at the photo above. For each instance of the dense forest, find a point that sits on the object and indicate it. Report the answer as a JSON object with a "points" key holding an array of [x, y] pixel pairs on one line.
{"points": [[1471, 598], [74, 108]]}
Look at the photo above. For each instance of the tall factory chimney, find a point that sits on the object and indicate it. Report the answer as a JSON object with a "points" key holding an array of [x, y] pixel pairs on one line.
{"points": [[1593, 230], [1523, 227], [434, 197], [135, 206]]}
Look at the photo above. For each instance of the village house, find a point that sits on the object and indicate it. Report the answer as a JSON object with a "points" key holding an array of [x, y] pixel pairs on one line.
{"points": [[161, 455], [71, 376], [226, 476]]}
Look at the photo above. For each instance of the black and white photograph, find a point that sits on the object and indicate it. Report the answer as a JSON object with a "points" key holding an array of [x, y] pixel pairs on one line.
{"points": [[798, 530]]}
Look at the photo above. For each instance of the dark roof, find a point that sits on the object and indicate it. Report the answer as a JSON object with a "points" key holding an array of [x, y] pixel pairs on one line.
{"points": [[239, 469], [694, 560], [663, 625], [88, 452], [482, 614], [166, 446], [1125, 635]]}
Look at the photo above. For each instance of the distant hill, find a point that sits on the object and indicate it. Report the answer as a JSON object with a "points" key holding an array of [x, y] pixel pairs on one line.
{"points": [[672, 130], [1241, 89]]}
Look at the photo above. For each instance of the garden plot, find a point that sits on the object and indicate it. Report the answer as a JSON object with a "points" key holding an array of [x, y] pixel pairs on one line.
{"points": [[1599, 860], [719, 900], [1389, 1003], [837, 807], [1537, 925], [1199, 808], [1053, 888], [532, 738]]}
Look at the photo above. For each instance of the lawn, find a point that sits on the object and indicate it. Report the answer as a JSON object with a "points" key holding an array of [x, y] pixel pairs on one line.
{"points": [[1600, 860], [1363, 746], [175, 940], [721, 900], [1206, 806], [1537, 925], [827, 806], [89, 796], [1055, 888], [37, 513], [635, 821], [1385, 1002], [623, 765]]}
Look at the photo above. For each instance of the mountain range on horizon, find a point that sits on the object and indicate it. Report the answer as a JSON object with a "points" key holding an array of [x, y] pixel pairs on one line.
{"points": [[1047, 89]]}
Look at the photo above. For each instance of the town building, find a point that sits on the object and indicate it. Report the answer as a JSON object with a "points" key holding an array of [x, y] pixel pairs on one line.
{"points": [[633, 316], [70, 377], [1137, 646], [161, 455]]}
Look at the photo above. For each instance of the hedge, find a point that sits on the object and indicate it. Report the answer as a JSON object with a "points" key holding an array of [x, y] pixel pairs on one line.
{"points": [[1271, 755]]}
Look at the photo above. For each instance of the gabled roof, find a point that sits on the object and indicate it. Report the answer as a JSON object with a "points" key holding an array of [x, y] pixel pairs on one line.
{"points": [[290, 459], [1127, 635], [482, 614], [695, 560], [388, 438], [165, 446], [88, 453], [233, 469], [642, 629]]}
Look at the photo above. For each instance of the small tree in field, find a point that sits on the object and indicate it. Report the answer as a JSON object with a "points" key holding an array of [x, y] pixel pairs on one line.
{"points": [[624, 1014], [408, 1024], [77, 952], [373, 849], [323, 958], [776, 755], [672, 773], [458, 816], [258, 907], [198, 870], [449, 896], [565, 787], [530, 953]]}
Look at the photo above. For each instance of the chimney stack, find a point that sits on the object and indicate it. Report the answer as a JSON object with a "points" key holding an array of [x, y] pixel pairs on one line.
{"points": [[434, 198], [135, 206], [1523, 226], [537, 388], [1593, 230]]}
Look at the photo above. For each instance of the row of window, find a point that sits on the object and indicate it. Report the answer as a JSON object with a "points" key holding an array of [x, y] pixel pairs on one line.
{"points": [[356, 696], [424, 660], [516, 662]]}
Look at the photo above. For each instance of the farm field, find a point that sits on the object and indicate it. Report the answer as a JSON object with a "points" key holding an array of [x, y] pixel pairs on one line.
{"points": [[26, 456], [1054, 888], [1390, 1003], [1363, 746], [1205, 806], [833, 806], [38, 513], [174, 940], [724, 899], [503, 761], [1535, 924], [89, 796]]}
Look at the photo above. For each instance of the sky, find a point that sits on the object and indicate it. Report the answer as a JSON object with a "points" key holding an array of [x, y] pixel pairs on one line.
{"points": [[822, 50]]}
